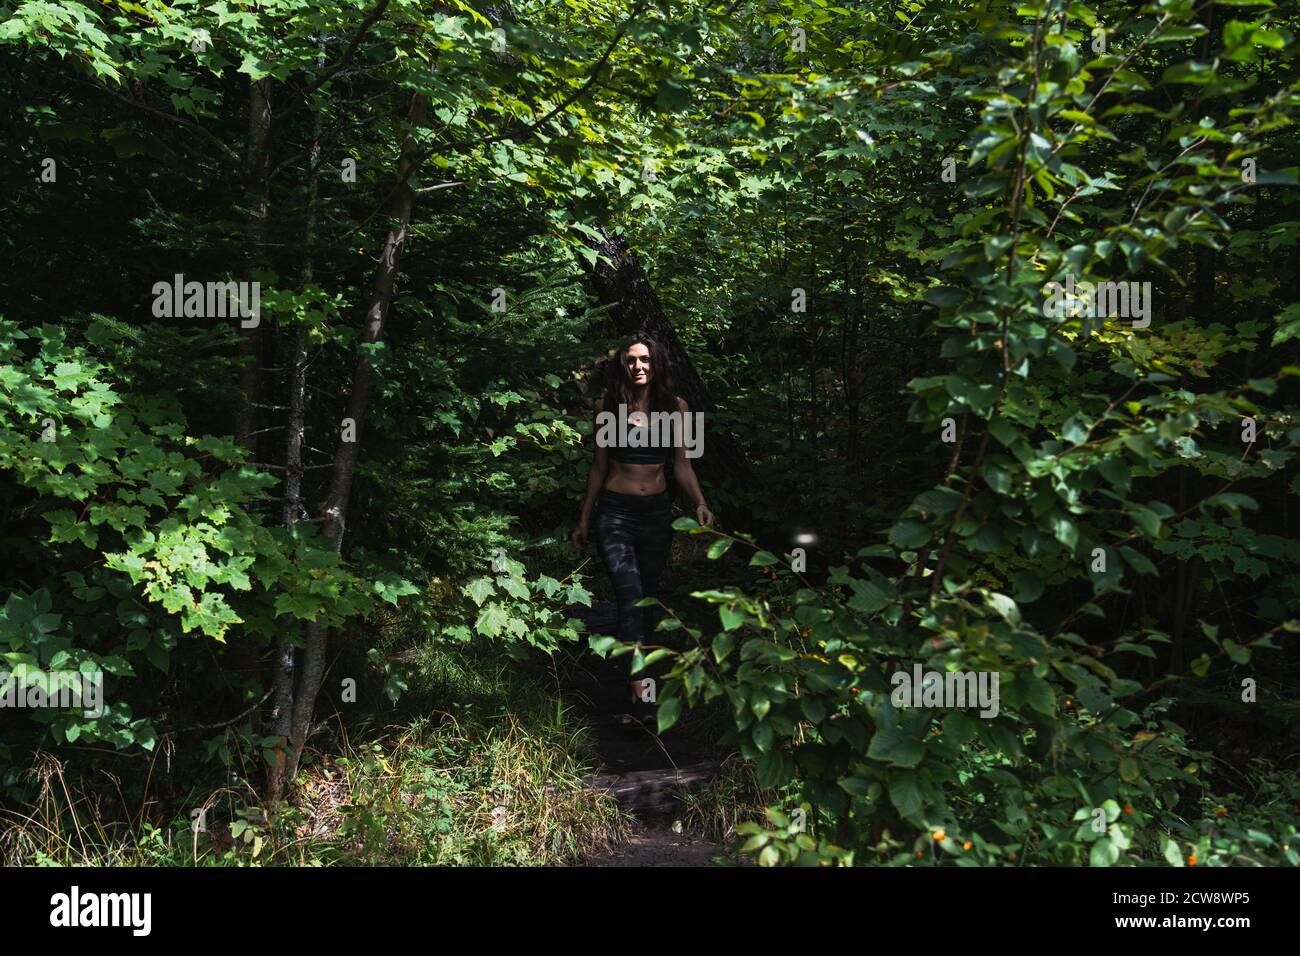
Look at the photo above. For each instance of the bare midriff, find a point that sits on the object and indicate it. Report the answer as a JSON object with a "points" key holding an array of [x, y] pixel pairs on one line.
{"points": [[628, 479]]}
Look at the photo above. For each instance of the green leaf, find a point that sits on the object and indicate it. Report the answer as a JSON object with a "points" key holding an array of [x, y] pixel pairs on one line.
{"points": [[491, 620], [909, 534], [1236, 652], [1145, 519], [896, 747], [480, 589], [1173, 856], [944, 296], [1135, 649], [905, 794], [668, 711], [958, 728], [1130, 771], [1041, 696], [1104, 853], [1004, 606]]}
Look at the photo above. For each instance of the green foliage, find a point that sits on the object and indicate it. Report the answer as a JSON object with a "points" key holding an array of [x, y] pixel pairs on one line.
{"points": [[507, 606], [1053, 503], [458, 789], [150, 539], [808, 678], [1097, 531]]}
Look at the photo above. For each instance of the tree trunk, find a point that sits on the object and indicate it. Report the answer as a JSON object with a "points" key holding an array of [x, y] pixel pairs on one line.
{"points": [[312, 671], [635, 307], [282, 702], [259, 201]]}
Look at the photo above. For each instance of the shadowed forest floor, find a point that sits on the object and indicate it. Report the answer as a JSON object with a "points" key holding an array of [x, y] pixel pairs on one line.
{"points": [[599, 688]]}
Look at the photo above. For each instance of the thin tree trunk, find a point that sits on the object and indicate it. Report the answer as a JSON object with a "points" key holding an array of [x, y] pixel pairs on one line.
{"points": [[259, 203], [312, 671], [282, 692], [282, 702]]}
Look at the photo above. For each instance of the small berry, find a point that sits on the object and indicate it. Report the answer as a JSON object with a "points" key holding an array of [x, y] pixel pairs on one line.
{"points": [[939, 835], [1128, 808], [967, 845], [1191, 860]]}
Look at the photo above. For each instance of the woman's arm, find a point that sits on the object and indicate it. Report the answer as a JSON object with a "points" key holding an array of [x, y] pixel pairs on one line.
{"points": [[595, 481], [685, 474]]}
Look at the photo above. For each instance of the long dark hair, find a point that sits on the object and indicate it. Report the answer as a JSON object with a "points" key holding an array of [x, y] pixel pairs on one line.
{"points": [[621, 388]]}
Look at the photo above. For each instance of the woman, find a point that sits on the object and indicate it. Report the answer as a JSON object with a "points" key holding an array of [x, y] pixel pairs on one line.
{"points": [[634, 517]]}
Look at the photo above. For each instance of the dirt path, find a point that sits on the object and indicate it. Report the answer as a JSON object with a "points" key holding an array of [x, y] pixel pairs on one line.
{"points": [[638, 764], [658, 845]]}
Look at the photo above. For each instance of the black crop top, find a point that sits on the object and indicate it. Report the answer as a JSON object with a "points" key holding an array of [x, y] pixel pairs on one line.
{"points": [[644, 455]]}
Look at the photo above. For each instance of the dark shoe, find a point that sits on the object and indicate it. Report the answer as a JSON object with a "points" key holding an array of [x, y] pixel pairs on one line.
{"points": [[644, 713]]}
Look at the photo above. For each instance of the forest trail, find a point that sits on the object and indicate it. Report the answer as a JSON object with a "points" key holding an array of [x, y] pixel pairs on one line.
{"points": [[658, 845], [640, 767]]}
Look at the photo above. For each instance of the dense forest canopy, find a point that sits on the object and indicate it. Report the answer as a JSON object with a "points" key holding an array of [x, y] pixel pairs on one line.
{"points": [[991, 308]]}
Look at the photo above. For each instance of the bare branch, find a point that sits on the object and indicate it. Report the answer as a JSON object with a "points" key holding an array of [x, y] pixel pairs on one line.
{"points": [[437, 186]]}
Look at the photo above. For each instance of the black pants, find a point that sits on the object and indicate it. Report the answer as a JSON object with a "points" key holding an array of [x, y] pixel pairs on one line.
{"points": [[633, 534]]}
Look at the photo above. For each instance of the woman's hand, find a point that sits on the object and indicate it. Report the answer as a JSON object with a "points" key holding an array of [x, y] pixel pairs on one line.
{"points": [[579, 536], [703, 515]]}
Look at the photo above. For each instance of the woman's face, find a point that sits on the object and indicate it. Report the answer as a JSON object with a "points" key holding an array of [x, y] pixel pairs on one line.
{"points": [[637, 361]]}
